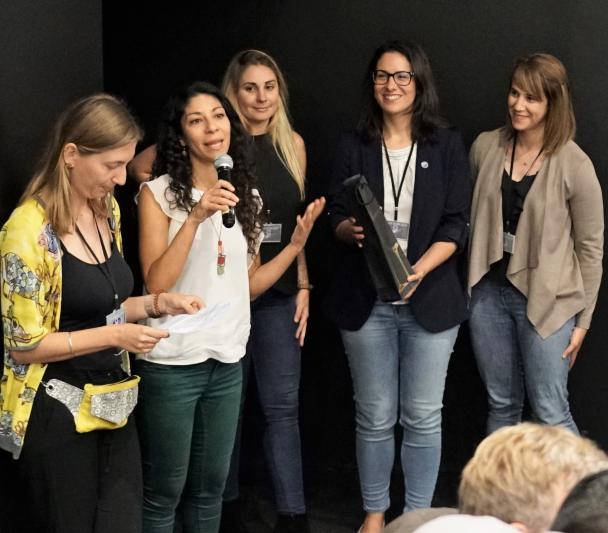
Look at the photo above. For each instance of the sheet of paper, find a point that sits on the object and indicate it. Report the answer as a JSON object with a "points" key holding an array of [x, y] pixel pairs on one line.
{"points": [[183, 324]]}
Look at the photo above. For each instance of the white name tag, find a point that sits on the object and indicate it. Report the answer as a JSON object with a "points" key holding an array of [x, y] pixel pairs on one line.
{"points": [[400, 230], [508, 242], [272, 233], [116, 317]]}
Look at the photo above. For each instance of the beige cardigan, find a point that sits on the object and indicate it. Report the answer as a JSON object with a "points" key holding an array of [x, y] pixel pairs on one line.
{"points": [[557, 261]]}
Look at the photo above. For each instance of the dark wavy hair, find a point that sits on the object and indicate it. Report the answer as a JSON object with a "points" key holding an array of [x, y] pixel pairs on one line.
{"points": [[426, 117], [172, 158]]}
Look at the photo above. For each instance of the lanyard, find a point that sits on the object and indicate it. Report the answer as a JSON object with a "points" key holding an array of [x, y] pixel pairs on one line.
{"points": [[397, 192], [509, 187], [107, 272]]}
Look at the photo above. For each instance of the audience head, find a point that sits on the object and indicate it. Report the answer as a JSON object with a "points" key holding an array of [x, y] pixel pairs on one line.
{"points": [[544, 77], [521, 474], [86, 155], [585, 510], [197, 125], [459, 523], [413, 94]]}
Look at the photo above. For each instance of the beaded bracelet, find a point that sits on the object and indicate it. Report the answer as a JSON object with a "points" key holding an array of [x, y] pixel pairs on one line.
{"points": [[157, 312]]}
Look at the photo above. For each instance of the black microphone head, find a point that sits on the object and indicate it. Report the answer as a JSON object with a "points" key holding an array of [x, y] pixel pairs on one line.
{"points": [[223, 161]]}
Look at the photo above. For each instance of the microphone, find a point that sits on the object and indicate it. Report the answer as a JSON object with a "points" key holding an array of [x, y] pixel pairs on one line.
{"points": [[223, 164]]}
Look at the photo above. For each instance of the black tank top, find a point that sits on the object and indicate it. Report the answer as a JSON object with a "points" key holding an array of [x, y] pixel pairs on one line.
{"points": [[519, 191], [86, 298], [281, 197]]}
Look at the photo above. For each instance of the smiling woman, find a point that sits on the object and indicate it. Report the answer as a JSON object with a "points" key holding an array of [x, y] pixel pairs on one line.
{"points": [[256, 87], [536, 248], [398, 352]]}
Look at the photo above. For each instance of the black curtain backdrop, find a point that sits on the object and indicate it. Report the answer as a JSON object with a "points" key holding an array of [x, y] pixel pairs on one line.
{"points": [[51, 53]]}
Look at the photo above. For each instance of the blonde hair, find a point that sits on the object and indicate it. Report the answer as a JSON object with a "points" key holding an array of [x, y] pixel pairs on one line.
{"points": [[522, 473], [544, 76], [94, 124], [279, 128]]}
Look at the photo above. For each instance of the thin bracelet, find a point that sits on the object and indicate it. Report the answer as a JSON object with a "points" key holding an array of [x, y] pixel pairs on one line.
{"points": [[70, 345], [308, 287], [157, 312]]}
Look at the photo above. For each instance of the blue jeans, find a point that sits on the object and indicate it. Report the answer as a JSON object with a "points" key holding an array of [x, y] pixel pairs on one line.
{"points": [[187, 418], [398, 367], [514, 360], [275, 354]]}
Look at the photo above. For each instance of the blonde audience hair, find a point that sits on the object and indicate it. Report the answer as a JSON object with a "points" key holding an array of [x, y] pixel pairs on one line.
{"points": [[280, 129], [522, 473], [94, 124], [543, 75]]}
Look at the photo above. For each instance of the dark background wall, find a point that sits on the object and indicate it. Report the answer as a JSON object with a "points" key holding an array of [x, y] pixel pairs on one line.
{"points": [[52, 53]]}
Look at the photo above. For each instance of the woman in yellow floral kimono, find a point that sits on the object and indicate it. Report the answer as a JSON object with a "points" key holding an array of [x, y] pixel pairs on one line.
{"points": [[65, 307]]}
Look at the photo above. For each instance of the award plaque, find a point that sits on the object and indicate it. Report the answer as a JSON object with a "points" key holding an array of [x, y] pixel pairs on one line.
{"points": [[387, 263]]}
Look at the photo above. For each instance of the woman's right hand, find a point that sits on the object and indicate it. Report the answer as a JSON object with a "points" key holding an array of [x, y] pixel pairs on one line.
{"points": [[137, 338], [220, 197], [349, 232]]}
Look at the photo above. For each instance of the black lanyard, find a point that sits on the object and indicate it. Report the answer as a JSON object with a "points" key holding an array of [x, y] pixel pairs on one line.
{"points": [[509, 188], [397, 192], [104, 267]]}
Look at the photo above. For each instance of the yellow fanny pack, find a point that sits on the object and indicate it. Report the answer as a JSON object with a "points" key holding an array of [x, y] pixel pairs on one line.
{"points": [[97, 406]]}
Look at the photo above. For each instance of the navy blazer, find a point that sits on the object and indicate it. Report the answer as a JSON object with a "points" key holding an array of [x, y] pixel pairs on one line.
{"points": [[440, 213]]}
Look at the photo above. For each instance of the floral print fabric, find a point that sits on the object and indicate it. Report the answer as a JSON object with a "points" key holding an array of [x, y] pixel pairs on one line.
{"points": [[30, 259]]}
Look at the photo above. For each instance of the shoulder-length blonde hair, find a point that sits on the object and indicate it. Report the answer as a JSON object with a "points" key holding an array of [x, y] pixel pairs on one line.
{"points": [[94, 124], [280, 129], [543, 75]]}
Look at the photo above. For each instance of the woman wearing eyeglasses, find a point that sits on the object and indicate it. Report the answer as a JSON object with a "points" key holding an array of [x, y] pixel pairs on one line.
{"points": [[398, 352]]}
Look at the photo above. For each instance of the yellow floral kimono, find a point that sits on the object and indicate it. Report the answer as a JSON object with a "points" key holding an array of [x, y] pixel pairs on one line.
{"points": [[30, 257]]}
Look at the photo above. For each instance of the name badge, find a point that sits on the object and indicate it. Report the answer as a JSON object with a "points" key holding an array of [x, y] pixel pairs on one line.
{"points": [[116, 317], [400, 230], [272, 233], [508, 242]]}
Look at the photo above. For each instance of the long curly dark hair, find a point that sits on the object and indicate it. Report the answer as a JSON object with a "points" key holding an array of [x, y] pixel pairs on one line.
{"points": [[173, 159], [426, 117]]}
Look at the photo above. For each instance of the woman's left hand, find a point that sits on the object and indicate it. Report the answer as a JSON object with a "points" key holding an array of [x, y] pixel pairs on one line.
{"points": [[417, 276], [172, 303], [576, 341], [301, 316], [305, 222]]}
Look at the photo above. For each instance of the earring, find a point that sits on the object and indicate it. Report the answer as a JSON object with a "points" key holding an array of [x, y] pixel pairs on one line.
{"points": [[69, 166], [184, 152]]}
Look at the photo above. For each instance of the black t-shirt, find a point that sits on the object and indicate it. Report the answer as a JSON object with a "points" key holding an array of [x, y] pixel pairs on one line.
{"points": [[86, 298]]}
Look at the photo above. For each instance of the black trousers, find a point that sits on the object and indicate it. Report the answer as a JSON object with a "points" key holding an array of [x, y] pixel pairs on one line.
{"points": [[69, 482]]}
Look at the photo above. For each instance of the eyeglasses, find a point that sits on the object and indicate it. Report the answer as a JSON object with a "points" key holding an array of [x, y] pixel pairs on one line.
{"points": [[403, 77]]}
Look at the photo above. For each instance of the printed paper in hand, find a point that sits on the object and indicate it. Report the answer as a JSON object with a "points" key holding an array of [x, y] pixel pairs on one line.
{"points": [[183, 324]]}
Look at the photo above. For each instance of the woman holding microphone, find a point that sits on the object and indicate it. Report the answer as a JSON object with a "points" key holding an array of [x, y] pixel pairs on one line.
{"points": [[192, 383]]}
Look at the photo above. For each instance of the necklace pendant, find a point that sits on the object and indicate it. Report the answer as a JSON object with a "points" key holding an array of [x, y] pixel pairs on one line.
{"points": [[221, 263]]}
